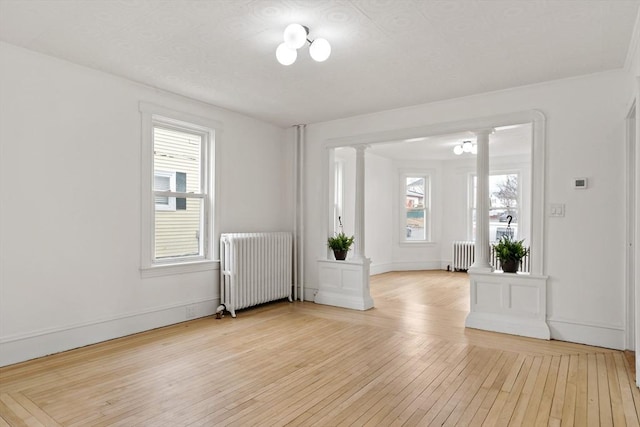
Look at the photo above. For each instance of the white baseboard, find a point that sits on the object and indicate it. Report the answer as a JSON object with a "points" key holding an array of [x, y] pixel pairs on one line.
{"points": [[381, 268], [21, 347], [600, 335], [310, 294]]}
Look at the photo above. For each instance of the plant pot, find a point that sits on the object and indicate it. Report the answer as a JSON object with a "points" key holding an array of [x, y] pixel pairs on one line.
{"points": [[509, 265], [340, 255]]}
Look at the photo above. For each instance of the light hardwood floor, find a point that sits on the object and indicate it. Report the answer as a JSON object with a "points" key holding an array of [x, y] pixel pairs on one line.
{"points": [[409, 361]]}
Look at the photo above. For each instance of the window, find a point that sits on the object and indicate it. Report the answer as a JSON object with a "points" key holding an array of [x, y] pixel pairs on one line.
{"points": [[415, 220], [338, 195], [179, 216], [177, 192], [504, 192]]}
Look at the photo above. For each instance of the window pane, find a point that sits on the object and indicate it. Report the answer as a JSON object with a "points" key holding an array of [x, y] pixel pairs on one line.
{"points": [[178, 232], [179, 153], [504, 196], [415, 207], [162, 183]]}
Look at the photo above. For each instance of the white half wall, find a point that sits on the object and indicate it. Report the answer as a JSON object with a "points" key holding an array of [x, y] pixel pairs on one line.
{"points": [[70, 205], [584, 250]]}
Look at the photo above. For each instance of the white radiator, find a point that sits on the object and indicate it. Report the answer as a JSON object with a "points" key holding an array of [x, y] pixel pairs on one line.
{"points": [[464, 256], [254, 268]]}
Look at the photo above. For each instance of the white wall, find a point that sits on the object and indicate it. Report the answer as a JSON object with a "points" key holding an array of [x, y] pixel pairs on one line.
{"points": [[584, 251], [379, 201], [70, 204]]}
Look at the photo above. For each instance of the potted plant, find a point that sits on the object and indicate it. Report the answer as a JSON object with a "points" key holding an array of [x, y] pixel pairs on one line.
{"points": [[340, 244], [510, 252]]}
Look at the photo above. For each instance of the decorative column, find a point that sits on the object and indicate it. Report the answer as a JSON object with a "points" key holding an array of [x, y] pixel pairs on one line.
{"points": [[346, 283], [481, 262], [359, 208], [501, 302]]}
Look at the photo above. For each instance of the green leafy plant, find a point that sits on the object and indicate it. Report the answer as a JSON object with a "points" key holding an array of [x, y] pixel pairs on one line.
{"points": [[340, 242], [510, 252], [508, 249]]}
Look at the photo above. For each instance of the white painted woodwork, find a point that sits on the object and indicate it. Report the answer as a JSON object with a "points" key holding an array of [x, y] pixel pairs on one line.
{"points": [[359, 241], [344, 284], [510, 303], [481, 262]]}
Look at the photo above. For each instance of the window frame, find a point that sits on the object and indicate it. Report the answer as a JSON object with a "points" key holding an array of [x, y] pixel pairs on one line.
{"points": [[428, 215], [152, 116]]}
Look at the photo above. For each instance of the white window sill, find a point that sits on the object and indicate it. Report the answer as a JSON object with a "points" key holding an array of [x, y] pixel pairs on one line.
{"points": [[178, 268]]}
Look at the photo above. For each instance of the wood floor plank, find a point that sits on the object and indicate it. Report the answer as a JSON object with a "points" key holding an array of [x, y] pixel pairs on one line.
{"points": [[535, 400], [593, 396], [604, 397], [630, 413], [408, 361], [581, 391], [571, 393]]}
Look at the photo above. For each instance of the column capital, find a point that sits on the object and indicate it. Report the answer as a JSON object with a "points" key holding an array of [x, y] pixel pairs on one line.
{"points": [[483, 132], [361, 147]]}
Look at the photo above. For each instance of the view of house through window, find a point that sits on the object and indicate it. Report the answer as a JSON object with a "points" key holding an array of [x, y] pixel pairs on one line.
{"points": [[178, 192], [416, 208], [504, 193], [338, 195]]}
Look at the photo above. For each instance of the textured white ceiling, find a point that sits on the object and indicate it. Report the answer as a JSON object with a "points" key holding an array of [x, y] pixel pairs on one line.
{"points": [[385, 53]]}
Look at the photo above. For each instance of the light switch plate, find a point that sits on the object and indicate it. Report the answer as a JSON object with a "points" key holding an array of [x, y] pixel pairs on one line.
{"points": [[556, 209]]}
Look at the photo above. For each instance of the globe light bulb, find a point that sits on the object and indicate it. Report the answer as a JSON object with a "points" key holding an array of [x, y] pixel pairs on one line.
{"points": [[286, 55], [320, 50], [466, 146], [457, 149], [295, 36]]}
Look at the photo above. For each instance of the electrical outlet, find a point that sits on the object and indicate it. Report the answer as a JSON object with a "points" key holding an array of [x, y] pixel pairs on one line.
{"points": [[191, 311]]}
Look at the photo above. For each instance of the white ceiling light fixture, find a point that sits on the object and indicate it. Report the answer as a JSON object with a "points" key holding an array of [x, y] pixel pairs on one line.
{"points": [[295, 36], [465, 147]]}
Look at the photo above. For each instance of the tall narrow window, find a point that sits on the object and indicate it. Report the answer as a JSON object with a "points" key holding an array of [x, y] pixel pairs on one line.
{"points": [[415, 220], [180, 199], [177, 192], [338, 195], [504, 210]]}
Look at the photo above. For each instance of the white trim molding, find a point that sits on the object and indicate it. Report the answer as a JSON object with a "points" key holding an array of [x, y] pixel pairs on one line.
{"points": [[509, 303], [591, 333], [151, 115], [21, 347]]}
